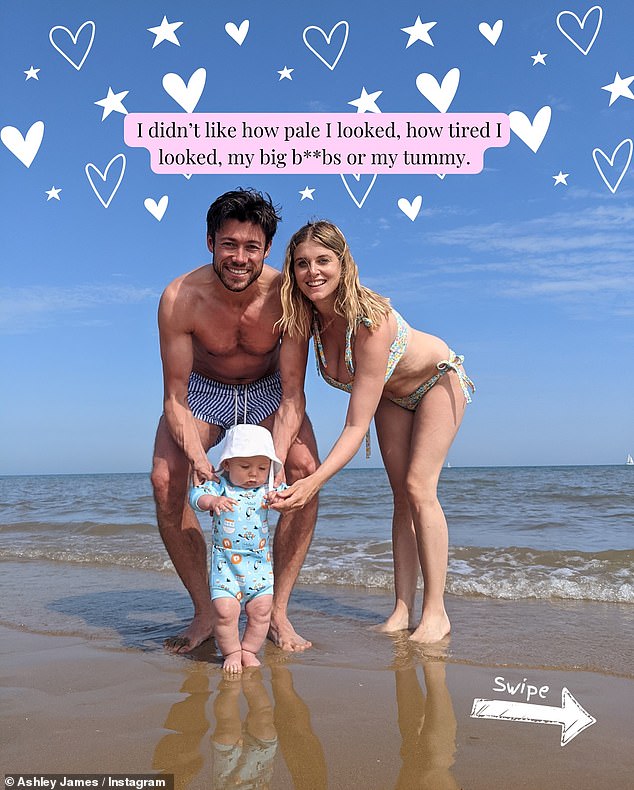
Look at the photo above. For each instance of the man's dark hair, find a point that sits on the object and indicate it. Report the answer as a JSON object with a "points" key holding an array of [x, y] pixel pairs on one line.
{"points": [[245, 205]]}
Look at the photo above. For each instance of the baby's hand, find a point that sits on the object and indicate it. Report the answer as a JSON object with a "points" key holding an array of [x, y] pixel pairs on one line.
{"points": [[221, 504], [268, 499], [273, 496]]}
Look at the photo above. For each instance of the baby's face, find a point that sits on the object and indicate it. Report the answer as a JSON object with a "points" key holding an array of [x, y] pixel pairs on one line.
{"points": [[250, 472]]}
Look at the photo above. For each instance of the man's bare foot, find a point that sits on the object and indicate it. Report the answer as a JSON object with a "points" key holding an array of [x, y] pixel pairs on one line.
{"points": [[431, 629], [249, 659], [232, 664], [284, 636], [198, 631]]}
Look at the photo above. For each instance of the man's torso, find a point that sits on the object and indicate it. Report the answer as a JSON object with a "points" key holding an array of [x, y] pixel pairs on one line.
{"points": [[234, 339]]}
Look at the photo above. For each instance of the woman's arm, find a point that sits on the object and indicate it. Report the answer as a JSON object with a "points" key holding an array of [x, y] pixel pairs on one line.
{"points": [[290, 414], [371, 353]]}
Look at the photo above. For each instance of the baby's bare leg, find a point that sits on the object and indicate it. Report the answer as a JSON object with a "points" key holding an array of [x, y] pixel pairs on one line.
{"points": [[258, 619], [226, 616]]}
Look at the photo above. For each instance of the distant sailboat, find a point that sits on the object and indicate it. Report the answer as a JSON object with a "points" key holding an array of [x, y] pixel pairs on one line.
{"points": [[629, 461], [449, 465]]}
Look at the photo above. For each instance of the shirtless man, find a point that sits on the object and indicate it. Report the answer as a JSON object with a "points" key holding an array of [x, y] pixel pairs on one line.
{"points": [[220, 354]]}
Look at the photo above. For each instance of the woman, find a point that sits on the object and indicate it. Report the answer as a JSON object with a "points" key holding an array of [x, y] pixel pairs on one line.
{"points": [[411, 383]]}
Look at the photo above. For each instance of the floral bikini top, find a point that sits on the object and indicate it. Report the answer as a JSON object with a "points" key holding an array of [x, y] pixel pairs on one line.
{"points": [[397, 349]]}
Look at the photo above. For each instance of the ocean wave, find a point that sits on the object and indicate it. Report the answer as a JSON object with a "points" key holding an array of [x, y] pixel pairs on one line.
{"points": [[512, 573], [69, 528], [509, 573]]}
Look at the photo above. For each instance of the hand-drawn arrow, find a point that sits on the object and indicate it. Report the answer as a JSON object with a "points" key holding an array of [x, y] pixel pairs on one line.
{"points": [[571, 716]]}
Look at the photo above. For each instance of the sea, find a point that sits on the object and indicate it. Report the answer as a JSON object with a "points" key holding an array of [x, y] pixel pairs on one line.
{"points": [[555, 534]]}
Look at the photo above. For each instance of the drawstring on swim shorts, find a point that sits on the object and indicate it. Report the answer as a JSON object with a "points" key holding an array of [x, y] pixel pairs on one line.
{"points": [[244, 420], [235, 403]]}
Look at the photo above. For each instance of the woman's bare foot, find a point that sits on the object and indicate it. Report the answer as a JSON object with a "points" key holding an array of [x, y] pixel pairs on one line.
{"points": [[249, 659], [198, 631], [232, 664], [284, 636], [397, 621], [431, 629]]}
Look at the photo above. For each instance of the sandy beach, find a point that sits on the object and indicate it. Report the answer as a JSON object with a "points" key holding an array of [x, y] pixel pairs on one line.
{"points": [[358, 710]]}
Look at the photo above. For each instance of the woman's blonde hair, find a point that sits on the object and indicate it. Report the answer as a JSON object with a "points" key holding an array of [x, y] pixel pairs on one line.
{"points": [[353, 300]]}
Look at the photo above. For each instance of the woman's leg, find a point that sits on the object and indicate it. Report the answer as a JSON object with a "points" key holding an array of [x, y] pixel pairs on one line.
{"points": [[436, 423], [394, 427]]}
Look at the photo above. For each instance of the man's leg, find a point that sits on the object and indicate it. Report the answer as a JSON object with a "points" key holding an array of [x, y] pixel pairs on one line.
{"points": [[293, 535], [180, 530]]}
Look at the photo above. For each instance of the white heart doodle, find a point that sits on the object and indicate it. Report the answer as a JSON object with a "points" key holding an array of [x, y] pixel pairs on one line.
{"points": [[104, 177], [492, 34], [410, 209], [531, 133], [441, 95], [157, 210], [238, 34], [25, 148], [563, 15], [328, 38], [610, 160], [188, 95], [357, 178], [74, 38]]}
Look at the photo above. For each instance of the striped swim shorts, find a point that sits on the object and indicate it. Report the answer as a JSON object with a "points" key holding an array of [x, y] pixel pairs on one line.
{"points": [[229, 404]]}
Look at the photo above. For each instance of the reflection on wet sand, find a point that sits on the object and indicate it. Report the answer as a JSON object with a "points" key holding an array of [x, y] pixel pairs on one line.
{"points": [[180, 752], [300, 746], [427, 723], [242, 747], [243, 752]]}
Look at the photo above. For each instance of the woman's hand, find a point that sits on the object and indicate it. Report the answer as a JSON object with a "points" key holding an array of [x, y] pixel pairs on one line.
{"points": [[296, 496]]}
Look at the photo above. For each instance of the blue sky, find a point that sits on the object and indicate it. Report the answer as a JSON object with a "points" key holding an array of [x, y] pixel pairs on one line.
{"points": [[531, 280]]}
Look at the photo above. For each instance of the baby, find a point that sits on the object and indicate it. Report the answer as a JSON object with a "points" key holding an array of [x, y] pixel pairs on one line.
{"points": [[241, 569]]}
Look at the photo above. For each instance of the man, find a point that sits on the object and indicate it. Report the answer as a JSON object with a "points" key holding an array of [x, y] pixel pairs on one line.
{"points": [[220, 353]]}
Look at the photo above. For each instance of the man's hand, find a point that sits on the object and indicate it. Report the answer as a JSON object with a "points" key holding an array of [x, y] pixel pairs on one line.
{"points": [[280, 478], [295, 497], [202, 471]]}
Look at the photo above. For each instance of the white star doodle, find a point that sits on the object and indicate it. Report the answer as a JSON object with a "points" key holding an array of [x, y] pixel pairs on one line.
{"points": [[53, 194], [539, 58], [620, 87], [113, 103], [31, 74], [367, 101], [307, 193], [419, 31], [166, 31], [285, 73], [560, 178]]}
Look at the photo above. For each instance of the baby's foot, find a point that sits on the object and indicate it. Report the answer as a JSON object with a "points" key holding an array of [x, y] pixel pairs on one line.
{"points": [[249, 659], [233, 663]]}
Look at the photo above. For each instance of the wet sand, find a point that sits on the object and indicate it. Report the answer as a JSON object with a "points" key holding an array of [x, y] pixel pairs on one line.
{"points": [[359, 710]]}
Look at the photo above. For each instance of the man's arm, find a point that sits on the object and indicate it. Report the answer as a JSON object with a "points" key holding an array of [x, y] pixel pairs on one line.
{"points": [[290, 414], [177, 354]]}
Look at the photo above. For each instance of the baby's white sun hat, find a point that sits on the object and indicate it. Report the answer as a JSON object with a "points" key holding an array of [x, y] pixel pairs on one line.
{"points": [[244, 441]]}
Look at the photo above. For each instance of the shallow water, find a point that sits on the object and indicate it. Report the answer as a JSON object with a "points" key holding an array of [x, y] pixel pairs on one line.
{"points": [[555, 533]]}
